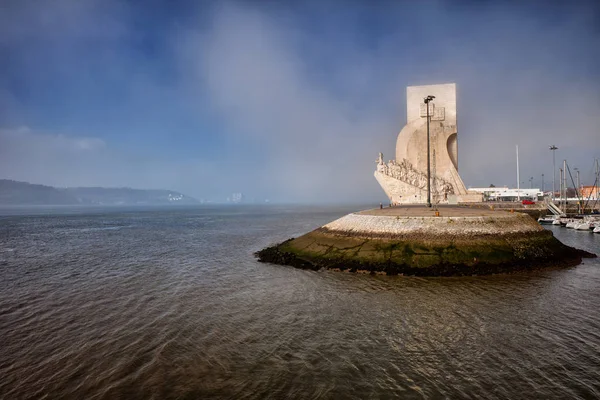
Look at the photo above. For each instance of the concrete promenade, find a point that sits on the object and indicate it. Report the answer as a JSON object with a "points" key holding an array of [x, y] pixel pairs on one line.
{"points": [[420, 210], [421, 222]]}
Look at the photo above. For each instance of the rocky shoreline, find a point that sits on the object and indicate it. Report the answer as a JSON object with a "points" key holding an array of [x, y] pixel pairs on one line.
{"points": [[275, 255]]}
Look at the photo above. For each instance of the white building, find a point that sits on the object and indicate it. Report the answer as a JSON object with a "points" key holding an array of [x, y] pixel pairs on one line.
{"points": [[237, 197], [506, 194]]}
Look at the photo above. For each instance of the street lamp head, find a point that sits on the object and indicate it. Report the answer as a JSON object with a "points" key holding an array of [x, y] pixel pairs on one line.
{"points": [[553, 147], [428, 99]]}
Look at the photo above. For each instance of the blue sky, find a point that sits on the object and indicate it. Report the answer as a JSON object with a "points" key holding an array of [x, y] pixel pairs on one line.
{"points": [[289, 101]]}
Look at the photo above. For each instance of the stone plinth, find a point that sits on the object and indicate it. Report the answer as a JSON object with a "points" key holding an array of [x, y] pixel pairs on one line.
{"points": [[413, 241]]}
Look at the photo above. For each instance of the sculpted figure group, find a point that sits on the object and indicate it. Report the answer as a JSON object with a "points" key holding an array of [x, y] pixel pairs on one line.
{"points": [[405, 172]]}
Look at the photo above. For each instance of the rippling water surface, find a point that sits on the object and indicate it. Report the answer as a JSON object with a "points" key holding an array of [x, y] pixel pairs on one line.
{"points": [[172, 304]]}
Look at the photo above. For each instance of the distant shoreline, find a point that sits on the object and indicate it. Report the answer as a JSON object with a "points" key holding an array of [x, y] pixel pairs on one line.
{"points": [[24, 193]]}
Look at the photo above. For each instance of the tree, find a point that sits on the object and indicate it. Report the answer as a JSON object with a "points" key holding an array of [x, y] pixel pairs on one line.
{"points": [[492, 185]]}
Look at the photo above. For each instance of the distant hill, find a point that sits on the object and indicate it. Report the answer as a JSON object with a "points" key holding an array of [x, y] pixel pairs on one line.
{"points": [[14, 192], [23, 193]]}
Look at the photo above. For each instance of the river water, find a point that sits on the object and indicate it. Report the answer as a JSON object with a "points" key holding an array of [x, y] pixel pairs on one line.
{"points": [[170, 303]]}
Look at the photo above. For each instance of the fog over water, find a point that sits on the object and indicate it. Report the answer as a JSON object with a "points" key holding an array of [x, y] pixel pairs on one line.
{"points": [[285, 101], [170, 303]]}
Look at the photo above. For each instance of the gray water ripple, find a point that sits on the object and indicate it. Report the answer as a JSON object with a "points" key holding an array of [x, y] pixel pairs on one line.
{"points": [[172, 304]]}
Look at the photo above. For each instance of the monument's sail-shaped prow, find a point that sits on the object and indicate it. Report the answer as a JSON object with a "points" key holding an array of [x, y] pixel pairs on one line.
{"points": [[404, 179]]}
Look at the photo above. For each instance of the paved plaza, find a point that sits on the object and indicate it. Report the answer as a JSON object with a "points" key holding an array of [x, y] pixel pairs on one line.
{"points": [[421, 210]]}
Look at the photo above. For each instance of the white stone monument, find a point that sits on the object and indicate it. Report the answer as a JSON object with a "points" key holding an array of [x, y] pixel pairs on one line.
{"points": [[404, 179]]}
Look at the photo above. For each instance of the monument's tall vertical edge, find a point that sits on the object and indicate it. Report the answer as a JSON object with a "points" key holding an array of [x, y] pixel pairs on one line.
{"points": [[404, 179]]}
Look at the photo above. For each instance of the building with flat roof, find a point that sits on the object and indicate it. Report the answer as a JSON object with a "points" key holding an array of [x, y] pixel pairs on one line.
{"points": [[507, 194], [591, 192]]}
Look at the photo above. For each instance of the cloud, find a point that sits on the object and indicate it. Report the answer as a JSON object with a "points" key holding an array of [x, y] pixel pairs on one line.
{"points": [[89, 143], [515, 88], [290, 102], [315, 144]]}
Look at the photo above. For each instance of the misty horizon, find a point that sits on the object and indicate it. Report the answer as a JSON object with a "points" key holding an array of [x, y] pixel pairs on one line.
{"points": [[289, 102]]}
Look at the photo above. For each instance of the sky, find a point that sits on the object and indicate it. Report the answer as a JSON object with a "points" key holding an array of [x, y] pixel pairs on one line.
{"points": [[289, 101]]}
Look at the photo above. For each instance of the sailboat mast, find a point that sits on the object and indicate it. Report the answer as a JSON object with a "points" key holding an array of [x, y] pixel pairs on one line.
{"points": [[518, 180], [560, 189], [565, 184]]}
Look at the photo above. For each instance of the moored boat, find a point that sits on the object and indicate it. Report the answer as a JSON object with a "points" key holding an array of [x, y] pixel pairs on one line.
{"points": [[572, 224], [548, 219]]}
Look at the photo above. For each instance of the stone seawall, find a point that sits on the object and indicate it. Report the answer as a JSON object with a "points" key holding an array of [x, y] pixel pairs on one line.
{"points": [[414, 242]]}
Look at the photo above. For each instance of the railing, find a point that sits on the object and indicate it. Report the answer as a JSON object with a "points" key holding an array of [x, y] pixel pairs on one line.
{"points": [[553, 208]]}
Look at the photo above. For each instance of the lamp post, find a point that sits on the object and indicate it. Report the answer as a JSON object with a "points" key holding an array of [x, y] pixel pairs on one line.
{"points": [[553, 148], [542, 183], [531, 182], [426, 101]]}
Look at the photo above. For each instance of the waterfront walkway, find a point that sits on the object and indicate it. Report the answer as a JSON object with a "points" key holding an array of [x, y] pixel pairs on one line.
{"points": [[421, 210]]}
